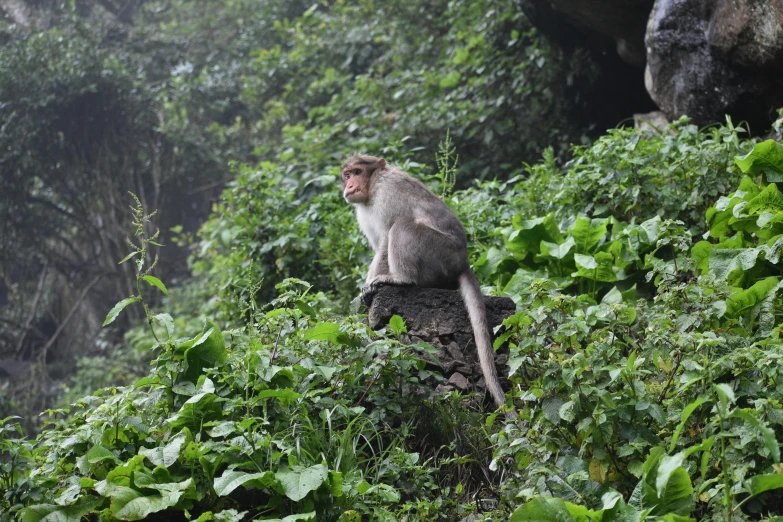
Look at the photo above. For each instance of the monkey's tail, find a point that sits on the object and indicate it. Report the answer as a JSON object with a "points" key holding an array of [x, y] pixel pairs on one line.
{"points": [[474, 302]]}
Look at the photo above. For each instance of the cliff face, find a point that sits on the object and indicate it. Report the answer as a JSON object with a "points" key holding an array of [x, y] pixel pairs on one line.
{"points": [[701, 58]]}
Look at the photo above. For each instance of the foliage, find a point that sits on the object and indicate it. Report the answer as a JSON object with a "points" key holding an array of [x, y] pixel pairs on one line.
{"points": [[681, 388], [676, 174], [296, 408]]}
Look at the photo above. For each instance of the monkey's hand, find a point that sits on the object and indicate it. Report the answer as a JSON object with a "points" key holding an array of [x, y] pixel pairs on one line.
{"points": [[370, 289]]}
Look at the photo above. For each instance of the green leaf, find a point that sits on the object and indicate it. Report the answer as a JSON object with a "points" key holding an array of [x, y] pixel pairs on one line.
{"points": [[114, 312], [207, 351], [129, 504], [766, 158], [167, 321], [397, 325], [588, 233], [767, 434], [762, 483], [555, 251], [154, 281], [128, 257], [686, 413], [543, 508], [599, 267], [724, 261], [55, 513], [297, 483], [299, 517], [529, 234], [725, 393], [98, 453], [323, 332], [768, 200], [284, 393], [450, 80], [165, 455], [232, 479], [743, 301], [666, 467]]}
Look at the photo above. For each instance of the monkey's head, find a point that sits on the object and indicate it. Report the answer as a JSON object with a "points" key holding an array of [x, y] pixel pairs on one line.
{"points": [[356, 175]]}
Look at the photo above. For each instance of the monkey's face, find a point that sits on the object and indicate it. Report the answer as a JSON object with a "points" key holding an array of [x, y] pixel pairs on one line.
{"points": [[356, 183]]}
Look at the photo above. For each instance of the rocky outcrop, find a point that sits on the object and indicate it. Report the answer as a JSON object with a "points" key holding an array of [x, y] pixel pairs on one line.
{"points": [[439, 317], [701, 58], [710, 58]]}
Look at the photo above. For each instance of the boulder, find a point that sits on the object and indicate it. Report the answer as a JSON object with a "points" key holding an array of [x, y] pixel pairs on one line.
{"points": [[707, 58], [440, 318]]}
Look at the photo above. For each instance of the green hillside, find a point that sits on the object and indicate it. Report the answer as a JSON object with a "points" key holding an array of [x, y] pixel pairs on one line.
{"points": [[645, 349]]}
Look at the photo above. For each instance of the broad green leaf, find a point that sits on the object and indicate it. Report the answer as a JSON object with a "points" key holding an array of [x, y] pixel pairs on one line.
{"points": [[551, 407], [762, 483], [665, 469], [766, 158], [232, 479], [55, 513], [725, 393], [165, 455], [323, 332], [167, 321], [743, 301], [98, 453], [529, 233], [306, 308], [599, 267], [450, 80], [556, 251], [677, 495], [129, 504], [114, 312], [297, 483], [724, 261], [301, 517], [208, 351], [157, 283], [768, 200], [588, 233], [585, 262], [283, 393], [543, 508], [767, 434]]}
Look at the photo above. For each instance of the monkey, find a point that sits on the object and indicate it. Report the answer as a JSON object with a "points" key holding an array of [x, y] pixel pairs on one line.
{"points": [[418, 241]]}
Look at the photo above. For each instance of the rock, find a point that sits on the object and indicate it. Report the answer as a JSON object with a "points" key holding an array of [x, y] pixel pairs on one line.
{"points": [[440, 318], [652, 121], [622, 21], [608, 86], [707, 58], [459, 381], [432, 312]]}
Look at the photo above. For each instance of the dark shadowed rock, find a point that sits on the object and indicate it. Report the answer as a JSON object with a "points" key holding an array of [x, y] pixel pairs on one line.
{"points": [[612, 33], [439, 317], [710, 58]]}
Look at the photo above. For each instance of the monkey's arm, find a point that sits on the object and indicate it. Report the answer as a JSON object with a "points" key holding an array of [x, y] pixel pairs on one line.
{"points": [[380, 263]]}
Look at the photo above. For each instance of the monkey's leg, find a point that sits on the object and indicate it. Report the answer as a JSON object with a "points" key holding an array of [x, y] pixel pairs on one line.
{"points": [[392, 267]]}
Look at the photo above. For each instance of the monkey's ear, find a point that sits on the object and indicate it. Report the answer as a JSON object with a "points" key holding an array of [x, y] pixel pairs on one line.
{"points": [[381, 164]]}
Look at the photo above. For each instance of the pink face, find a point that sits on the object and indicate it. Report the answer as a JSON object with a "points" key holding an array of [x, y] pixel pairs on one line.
{"points": [[356, 183]]}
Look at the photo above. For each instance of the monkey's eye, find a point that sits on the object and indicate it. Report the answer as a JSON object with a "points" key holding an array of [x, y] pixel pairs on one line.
{"points": [[357, 172]]}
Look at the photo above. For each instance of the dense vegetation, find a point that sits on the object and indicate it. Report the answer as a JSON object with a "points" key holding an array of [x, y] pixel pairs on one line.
{"points": [[644, 354], [163, 106]]}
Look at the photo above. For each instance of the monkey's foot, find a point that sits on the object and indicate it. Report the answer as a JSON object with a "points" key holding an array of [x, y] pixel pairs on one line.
{"points": [[370, 289]]}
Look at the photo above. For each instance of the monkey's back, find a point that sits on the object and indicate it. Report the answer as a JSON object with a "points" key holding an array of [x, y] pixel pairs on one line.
{"points": [[400, 196]]}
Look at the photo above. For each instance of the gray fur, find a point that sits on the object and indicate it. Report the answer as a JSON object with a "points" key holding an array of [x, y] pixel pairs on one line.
{"points": [[418, 241]]}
